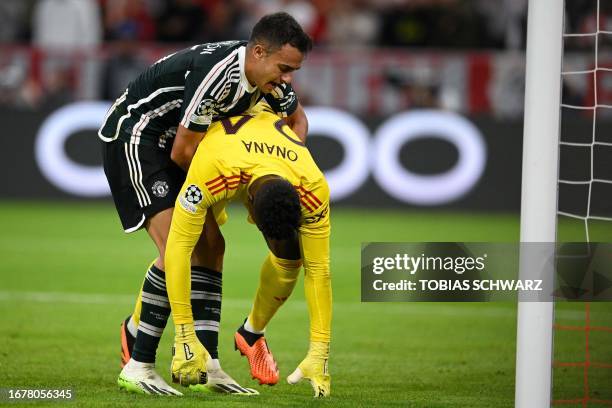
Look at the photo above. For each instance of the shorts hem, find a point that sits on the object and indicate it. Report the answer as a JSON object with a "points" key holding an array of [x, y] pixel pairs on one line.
{"points": [[137, 226]]}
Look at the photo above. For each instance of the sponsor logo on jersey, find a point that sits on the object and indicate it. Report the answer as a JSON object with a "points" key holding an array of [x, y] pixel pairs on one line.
{"points": [[191, 198], [313, 219], [160, 189], [162, 142]]}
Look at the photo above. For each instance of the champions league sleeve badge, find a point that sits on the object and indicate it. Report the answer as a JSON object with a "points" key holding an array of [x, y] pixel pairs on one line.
{"points": [[191, 198]]}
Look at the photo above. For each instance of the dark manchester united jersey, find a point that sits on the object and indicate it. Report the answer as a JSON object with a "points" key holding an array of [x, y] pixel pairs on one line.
{"points": [[193, 87]]}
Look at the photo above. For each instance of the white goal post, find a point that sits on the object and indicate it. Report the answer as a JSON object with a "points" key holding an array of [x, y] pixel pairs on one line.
{"points": [[539, 194]]}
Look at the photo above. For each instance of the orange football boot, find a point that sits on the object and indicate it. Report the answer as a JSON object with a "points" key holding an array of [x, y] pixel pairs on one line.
{"points": [[261, 361], [127, 343]]}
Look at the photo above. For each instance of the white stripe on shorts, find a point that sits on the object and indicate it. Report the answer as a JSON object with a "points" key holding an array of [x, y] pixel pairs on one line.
{"points": [[136, 174], [139, 172]]}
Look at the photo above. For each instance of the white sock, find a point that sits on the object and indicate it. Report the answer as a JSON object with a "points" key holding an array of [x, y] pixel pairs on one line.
{"points": [[213, 364], [132, 328], [137, 364], [249, 327]]}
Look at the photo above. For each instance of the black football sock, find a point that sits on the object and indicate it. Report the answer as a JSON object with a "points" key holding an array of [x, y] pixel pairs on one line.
{"points": [[206, 305], [153, 317]]}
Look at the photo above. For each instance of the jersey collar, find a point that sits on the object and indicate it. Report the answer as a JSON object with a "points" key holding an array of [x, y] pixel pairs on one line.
{"points": [[243, 79]]}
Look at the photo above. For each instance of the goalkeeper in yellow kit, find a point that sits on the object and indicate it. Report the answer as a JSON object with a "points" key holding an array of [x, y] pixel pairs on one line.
{"points": [[255, 158]]}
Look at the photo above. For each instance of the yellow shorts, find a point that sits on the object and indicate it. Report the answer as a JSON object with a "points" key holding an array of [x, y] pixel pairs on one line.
{"points": [[219, 213], [221, 216]]}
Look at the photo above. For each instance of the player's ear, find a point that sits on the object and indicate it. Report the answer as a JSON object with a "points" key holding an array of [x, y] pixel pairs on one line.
{"points": [[259, 51]]}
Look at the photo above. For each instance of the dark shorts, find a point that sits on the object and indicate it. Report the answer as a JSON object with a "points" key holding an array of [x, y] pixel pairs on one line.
{"points": [[143, 181]]}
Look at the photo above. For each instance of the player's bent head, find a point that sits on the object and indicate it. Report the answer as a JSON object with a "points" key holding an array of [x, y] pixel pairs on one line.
{"points": [[276, 209], [276, 30], [276, 49]]}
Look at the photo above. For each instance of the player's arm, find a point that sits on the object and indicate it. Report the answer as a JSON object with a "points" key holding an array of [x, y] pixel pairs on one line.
{"points": [[185, 230], [314, 245], [284, 102], [185, 145], [317, 281], [314, 242], [197, 112], [189, 357], [298, 122]]}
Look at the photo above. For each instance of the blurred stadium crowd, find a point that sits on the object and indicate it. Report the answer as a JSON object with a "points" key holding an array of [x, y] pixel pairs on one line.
{"points": [[55, 51], [429, 23]]}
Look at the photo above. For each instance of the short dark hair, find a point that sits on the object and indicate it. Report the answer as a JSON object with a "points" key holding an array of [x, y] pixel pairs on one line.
{"points": [[278, 29], [277, 210]]}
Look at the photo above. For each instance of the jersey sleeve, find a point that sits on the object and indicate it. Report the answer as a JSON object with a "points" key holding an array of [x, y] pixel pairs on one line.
{"points": [[188, 218], [205, 82], [314, 241], [283, 100], [199, 107]]}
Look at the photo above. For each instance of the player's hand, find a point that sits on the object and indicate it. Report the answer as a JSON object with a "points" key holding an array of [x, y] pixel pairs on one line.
{"points": [[189, 357], [314, 368]]}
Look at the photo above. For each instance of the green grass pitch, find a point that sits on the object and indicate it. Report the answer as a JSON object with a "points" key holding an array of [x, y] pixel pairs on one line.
{"points": [[69, 276]]}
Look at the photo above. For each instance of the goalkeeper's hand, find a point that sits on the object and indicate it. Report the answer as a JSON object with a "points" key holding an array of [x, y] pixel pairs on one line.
{"points": [[189, 357], [314, 368]]}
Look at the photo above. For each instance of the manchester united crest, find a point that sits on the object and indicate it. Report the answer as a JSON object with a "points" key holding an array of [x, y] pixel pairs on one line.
{"points": [[160, 189]]}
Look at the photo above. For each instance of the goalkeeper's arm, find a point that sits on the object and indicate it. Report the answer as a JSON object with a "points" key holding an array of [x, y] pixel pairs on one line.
{"points": [[317, 286], [189, 355]]}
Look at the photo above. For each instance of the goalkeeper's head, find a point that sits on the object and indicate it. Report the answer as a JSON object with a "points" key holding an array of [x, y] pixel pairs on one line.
{"points": [[275, 207]]}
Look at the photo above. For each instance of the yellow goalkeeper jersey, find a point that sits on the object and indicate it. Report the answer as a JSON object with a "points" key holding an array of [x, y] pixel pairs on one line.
{"points": [[235, 152]]}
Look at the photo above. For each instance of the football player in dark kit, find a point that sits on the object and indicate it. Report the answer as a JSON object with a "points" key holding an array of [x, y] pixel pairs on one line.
{"points": [[150, 135]]}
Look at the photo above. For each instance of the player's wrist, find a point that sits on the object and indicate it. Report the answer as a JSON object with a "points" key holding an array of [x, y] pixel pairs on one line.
{"points": [[318, 349], [184, 331]]}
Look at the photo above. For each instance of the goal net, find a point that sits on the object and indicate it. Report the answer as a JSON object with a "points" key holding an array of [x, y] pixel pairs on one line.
{"points": [[582, 364], [566, 197]]}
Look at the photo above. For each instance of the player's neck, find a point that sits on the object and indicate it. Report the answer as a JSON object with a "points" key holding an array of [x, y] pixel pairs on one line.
{"points": [[254, 187], [248, 66]]}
